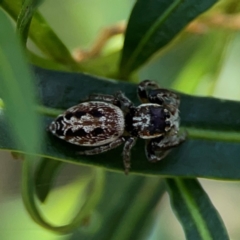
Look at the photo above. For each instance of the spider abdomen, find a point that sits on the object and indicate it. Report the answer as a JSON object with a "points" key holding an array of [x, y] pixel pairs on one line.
{"points": [[89, 124]]}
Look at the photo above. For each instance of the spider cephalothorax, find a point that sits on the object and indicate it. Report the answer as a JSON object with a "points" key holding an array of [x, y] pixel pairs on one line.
{"points": [[106, 121]]}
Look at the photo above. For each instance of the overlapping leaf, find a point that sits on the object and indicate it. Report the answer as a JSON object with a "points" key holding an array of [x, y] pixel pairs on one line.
{"points": [[198, 216], [41, 33], [152, 25], [25, 17], [211, 151], [17, 89], [131, 200], [44, 177], [213, 127]]}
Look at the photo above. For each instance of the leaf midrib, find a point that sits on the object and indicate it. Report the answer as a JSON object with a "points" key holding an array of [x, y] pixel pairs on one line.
{"points": [[194, 211], [159, 21]]}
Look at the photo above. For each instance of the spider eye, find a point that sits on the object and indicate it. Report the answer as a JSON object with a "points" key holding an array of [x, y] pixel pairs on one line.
{"points": [[156, 98], [167, 125], [160, 99], [166, 114]]}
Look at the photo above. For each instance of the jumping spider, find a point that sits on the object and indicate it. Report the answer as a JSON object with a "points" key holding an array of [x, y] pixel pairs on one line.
{"points": [[106, 121]]}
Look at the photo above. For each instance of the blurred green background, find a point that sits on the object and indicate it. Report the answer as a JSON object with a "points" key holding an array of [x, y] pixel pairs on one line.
{"points": [[211, 58]]}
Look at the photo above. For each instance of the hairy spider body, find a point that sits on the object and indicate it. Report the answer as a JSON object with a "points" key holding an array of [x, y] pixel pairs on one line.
{"points": [[107, 121], [89, 124]]}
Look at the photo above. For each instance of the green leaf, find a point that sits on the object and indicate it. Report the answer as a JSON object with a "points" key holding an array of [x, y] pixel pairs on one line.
{"points": [[25, 17], [130, 201], [211, 151], [81, 214], [195, 211], [17, 90], [44, 177], [42, 35], [152, 25], [138, 211]]}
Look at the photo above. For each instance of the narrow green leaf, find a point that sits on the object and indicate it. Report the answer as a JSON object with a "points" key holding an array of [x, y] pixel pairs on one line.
{"points": [[25, 17], [124, 196], [195, 211], [32, 208], [42, 35], [211, 151], [152, 25], [45, 174], [17, 89], [139, 209]]}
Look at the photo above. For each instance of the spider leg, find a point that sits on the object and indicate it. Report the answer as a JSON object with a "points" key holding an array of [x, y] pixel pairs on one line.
{"points": [[124, 102], [170, 140], [150, 148], [102, 97], [103, 148], [119, 99], [164, 97], [127, 153], [142, 89], [157, 95], [162, 145], [150, 151]]}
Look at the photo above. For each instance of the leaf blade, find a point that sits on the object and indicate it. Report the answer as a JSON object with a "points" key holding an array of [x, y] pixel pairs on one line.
{"points": [[202, 155], [194, 209], [45, 38], [33, 210], [147, 33], [129, 197], [17, 89], [44, 177], [24, 18]]}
